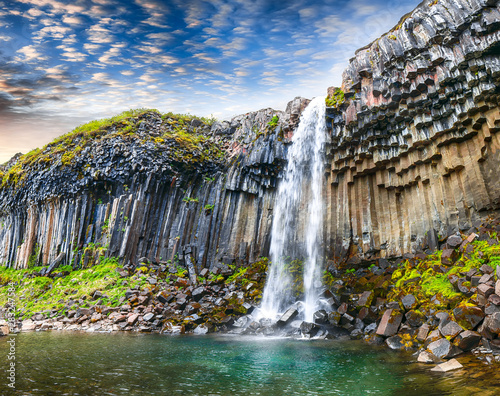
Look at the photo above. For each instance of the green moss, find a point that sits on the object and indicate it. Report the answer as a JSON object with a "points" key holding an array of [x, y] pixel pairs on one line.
{"points": [[274, 122], [37, 294], [335, 100]]}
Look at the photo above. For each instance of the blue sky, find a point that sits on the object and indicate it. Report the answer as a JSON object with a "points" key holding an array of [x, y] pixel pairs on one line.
{"points": [[63, 63]]}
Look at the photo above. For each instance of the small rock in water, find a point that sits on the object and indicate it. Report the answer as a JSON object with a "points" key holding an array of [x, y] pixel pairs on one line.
{"points": [[426, 357], [451, 364]]}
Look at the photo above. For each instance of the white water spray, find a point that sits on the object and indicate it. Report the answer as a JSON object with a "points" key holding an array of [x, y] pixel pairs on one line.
{"points": [[298, 215]]}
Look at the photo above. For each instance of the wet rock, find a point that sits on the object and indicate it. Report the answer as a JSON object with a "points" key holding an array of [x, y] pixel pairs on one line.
{"points": [[427, 357], [356, 334], [198, 293], [468, 316], [450, 365], [389, 324], [467, 340], [443, 348], [287, 317], [395, 342], [309, 329], [320, 317]]}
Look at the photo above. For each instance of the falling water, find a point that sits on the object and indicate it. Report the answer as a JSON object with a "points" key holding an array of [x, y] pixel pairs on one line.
{"points": [[298, 212]]}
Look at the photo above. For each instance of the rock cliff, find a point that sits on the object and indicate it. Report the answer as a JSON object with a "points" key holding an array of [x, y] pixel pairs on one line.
{"points": [[413, 156], [152, 186], [415, 152]]}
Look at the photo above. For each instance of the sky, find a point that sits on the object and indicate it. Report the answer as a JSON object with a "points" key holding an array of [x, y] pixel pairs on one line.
{"points": [[64, 63]]}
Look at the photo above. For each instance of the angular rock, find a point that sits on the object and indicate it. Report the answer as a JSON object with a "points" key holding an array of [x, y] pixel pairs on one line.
{"points": [[454, 241], [395, 342], [320, 317], [449, 256], [149, 317], [493, 323], [427, 357], [443, 349], [467, 340], [485, 290], [334, 318], [468, 316], [389, 324], [450, 329], [290, 314], [365, 299], [414, 318], [451, 364], [423, 332], [309, 329], [409, 302]]}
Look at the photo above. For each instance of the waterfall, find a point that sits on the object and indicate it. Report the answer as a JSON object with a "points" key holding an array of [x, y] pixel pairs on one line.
{"points": [[298, 215]]}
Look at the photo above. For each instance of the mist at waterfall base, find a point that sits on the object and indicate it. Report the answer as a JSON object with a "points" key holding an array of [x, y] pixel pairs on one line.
{"points": [[298, 217]]}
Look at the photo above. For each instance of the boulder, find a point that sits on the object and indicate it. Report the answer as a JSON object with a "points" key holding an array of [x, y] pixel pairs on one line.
{"points": [[443, 348], [149, 317], [493, 323], [320, 317], [409, 302], [485, 290], [4, 330], [468, 316], [365, 299], [309, 329], [287, 317], [451, 364], [395, 342], [467, 340], [415, 318], [334, 318], [427, 357], [454, 241], [449, 256], [389, 324], [423, 331], [450, 329]]}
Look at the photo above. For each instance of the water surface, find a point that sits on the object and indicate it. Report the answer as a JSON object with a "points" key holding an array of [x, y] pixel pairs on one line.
{"points": [[66, 363]]}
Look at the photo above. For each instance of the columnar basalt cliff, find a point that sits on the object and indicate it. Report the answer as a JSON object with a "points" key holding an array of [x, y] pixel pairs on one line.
{"points": [[415, 152], [145, 194], [413, 156]]}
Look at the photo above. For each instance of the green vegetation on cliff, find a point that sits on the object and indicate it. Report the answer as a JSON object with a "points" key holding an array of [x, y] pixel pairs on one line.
{"points": [[149, 128]]}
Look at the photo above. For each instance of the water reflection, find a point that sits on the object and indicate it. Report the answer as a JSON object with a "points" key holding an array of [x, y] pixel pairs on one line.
{"points": [[134, 364]]}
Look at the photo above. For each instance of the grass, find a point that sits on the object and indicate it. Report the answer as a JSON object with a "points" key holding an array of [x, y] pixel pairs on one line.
{"points": [[41, 294]]}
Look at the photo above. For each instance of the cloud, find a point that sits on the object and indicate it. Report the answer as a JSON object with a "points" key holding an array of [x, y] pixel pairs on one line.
{"points": [[29, 54]]}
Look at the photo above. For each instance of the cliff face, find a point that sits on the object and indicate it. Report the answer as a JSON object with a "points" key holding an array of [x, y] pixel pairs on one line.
{"points": [[415, 151], [414, 155], [153, 193]]}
